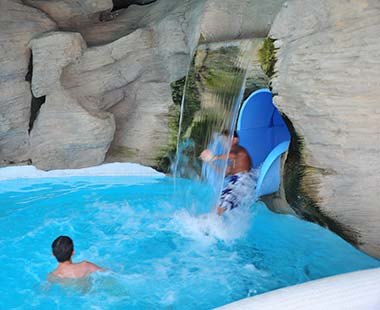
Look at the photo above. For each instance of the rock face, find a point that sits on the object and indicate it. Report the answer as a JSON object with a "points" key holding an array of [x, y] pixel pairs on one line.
{"points": [[122, 65], [18, 24], [327, 83], [231, 20], [131, 76], [68, 14], [65, 135]]}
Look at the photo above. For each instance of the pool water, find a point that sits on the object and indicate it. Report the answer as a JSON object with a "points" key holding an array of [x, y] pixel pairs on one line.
{"points": [[161, 246]]}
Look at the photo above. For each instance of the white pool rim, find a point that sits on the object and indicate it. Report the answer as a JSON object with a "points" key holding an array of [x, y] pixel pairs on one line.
{"points": [[354, 290], [110, 169]]}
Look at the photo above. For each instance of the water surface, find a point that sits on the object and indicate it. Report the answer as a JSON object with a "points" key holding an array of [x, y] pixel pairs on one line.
{"points": [[162, 247]]}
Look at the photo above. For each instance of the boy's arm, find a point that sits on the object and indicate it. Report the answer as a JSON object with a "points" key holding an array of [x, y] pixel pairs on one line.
{"points": [[50, 277], [92, 267]]}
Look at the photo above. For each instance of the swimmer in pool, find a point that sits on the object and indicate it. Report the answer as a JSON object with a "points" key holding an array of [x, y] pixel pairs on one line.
{"points": [[63, 250]]}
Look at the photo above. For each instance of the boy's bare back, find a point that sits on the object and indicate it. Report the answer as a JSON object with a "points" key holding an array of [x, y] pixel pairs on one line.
{"points": [[63, 250], [78, 270]]}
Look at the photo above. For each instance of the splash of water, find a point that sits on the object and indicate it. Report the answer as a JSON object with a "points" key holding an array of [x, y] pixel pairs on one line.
{"points": [[209, 228]]}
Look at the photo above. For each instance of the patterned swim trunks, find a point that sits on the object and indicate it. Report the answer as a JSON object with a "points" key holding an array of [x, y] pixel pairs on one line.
{"points": [[240, 187]]}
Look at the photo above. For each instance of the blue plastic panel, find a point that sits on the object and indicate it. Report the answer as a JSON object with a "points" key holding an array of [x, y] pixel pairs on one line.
{"points": [[270, 174], [261, 129]]}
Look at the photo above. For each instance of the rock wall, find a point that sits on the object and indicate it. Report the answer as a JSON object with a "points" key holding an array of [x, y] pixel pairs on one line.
{"points": [[231, 20], [18, 25], [102, 75], [327, 82], [70, 14], [65, 134]]}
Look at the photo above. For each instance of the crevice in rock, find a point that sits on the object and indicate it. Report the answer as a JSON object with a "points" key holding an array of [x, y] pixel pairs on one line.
{"points": [[300, 188], [29, 74], [123, 4], [119, 5], [36, 102]]}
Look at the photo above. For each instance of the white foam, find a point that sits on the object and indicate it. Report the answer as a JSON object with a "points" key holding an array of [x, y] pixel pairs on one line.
{"points": [[111, 169], [209, 228]]}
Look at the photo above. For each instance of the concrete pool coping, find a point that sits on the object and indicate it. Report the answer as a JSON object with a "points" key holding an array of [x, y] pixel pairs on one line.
{"points": [[111, 169], [354, 290]]}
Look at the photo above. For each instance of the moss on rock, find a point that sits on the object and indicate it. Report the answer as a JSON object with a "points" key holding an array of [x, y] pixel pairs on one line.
{"points": [[267, 56]]}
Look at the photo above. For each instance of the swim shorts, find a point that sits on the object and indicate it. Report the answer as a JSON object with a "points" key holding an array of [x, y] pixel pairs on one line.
{"points": [[240, 187]]}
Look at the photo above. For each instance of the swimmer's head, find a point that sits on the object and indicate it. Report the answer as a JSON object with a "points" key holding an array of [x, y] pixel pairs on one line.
{"points": [[63, 248], [235, 136], [226, 132]]}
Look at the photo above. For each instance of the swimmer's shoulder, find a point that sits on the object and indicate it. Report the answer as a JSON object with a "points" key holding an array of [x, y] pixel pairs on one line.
{"points": [[90, 267], [53, 277]]}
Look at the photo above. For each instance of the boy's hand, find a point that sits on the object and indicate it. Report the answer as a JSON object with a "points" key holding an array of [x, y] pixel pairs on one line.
{"points": [[207, 155], [220, 210]]}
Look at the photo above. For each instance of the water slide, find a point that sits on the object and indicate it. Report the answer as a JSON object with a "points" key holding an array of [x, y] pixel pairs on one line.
{"points": [[263, 132]]}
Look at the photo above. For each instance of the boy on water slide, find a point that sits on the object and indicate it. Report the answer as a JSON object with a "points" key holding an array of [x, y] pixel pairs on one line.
{"points": [[239, 174]]}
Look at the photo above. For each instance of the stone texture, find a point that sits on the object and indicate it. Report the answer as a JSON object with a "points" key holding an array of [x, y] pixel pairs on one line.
{"points": [[18, 24], [132, 80], [143, 126], [70, 15], [124, 65], [221, 20], [328, 84], [65, 134], [51, 53], [232, 20], [135, 80], [181, 18], [130, 77]]}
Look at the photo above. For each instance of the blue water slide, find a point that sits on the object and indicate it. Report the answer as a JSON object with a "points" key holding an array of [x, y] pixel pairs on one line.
{"points": [[263, 132], [270, 172]]}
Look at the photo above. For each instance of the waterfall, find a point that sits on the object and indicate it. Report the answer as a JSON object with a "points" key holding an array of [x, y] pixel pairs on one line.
{"points": [[212, 94]]}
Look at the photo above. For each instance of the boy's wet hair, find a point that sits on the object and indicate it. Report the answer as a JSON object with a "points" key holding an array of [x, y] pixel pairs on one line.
{"points": [[62, 248], [226, 132]]}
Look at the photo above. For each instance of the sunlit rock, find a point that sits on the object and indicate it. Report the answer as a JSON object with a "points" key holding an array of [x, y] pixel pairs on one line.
{"points": [[51, 53], [65, 134], [327, 83], [18, 24], [70, 15], [230, 20], [123, 65]]}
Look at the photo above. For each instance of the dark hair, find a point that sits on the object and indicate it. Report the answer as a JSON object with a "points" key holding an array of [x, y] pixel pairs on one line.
{"points": [[226, 132], [63, 248]]}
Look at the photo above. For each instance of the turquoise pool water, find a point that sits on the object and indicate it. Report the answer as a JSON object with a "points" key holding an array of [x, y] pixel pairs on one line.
{"points": [[160, 245]]}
